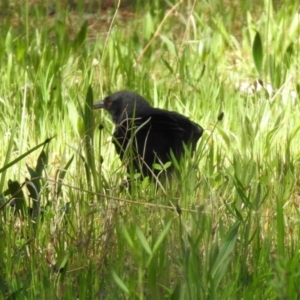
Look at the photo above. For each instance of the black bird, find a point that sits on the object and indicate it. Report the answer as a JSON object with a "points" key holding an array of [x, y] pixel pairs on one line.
{"points": [[151, 133]]}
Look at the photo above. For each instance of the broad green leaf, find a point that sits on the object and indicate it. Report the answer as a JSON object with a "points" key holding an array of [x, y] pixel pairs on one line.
{"points": [[160, 167], [223, 258], [41, 163], [81, 35], [34, 177], [170, 44], [257, 51], [128, 237], [162, 236], [120, 282], [288, 55], [143, 241], [8, 43], [224, 135]]}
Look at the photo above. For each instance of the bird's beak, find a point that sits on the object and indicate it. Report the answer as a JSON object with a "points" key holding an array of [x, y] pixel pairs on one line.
{"points": [[99, 104]]}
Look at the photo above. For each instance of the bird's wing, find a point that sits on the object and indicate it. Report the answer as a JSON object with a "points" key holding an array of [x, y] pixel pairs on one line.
{"points": [[173, 122], [164, 123], [179, 127], [155, 134]]}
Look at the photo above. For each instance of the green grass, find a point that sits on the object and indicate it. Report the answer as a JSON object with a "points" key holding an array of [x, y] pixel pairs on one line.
{"points": [[74, 231]]}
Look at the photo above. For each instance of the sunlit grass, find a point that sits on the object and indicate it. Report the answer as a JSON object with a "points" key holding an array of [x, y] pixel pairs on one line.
{"points": [[226, 227]]}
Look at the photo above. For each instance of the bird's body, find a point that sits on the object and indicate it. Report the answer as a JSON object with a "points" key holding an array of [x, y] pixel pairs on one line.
{"points": [[151, 133]]}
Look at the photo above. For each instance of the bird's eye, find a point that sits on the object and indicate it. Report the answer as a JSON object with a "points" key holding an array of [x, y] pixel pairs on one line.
{"points": [[109, 103]]}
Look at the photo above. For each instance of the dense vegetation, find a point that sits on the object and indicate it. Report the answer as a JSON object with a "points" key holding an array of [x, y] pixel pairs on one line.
{"points": [[227, 225]]}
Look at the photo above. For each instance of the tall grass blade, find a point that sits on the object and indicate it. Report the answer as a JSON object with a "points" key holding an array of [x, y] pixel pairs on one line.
{"points": [[257, 52]]}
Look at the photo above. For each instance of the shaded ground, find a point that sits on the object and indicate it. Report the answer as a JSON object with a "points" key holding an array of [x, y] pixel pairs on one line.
{"points": [[98, 10]]}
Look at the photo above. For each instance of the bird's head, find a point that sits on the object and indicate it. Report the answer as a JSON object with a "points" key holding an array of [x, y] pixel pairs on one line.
{"points": [[122, 105]]}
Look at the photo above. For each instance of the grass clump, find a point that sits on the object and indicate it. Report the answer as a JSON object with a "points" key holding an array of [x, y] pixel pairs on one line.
{"points": [[227, 228]]}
